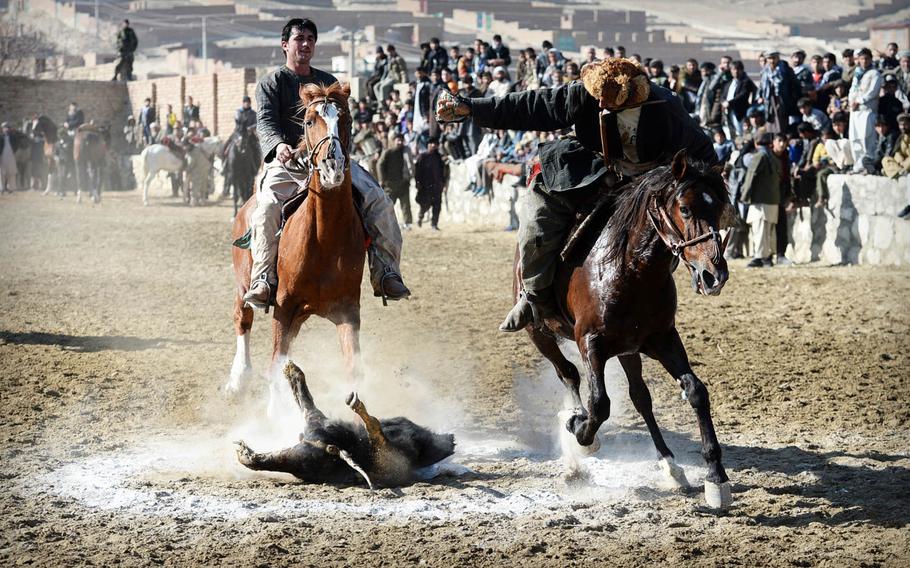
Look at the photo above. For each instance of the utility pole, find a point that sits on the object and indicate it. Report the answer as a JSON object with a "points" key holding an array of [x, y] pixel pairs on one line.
{"points": [[97, 24], [351, 70], [205, 49]]}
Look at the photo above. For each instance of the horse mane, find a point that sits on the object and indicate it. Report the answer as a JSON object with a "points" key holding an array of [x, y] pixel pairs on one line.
{"points": [[334, 92], [630, 215]]}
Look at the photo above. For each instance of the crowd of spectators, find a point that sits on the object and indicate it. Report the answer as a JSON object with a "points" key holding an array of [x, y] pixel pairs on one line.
{"points": [[815, 115]]}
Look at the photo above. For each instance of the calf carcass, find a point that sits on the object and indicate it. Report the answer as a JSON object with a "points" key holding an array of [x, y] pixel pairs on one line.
{"points": [[383, 453]]}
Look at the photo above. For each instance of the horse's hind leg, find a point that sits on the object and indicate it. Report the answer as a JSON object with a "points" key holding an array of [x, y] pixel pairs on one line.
{"points": [[641, 398], [671, 353], [594, 352], [565, 370], [242, 366]]}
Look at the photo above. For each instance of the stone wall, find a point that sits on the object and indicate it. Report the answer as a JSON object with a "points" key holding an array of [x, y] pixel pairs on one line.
{"points": [[103, 101], [462, 206], [861, 224]]}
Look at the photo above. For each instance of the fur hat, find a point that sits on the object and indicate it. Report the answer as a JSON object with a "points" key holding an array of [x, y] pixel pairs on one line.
{"points": [[621, 81]]}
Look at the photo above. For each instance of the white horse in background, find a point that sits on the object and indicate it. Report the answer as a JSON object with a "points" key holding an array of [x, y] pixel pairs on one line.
{"points": [[158, 158]]}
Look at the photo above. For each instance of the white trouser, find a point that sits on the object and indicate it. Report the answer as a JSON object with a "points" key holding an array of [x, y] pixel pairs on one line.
{"points": [[840, 153], [862, 137], [763, 218], [8, 169], [277, 186]]}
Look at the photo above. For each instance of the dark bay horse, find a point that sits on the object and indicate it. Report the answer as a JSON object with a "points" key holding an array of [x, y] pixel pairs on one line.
{"points": [[620, 301], [90, 154], [240, 160], [321, 252]]}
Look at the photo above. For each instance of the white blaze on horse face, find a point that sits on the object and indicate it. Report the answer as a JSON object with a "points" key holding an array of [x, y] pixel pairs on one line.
{"points": [[331, 169], [708, 199]]}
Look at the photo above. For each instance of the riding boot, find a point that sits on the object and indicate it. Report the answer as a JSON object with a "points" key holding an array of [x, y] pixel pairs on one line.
{"points": [[259, 295], [528, 310]]}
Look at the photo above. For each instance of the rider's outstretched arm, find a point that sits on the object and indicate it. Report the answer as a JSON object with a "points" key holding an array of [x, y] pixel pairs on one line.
{"points": [[540, 109]]}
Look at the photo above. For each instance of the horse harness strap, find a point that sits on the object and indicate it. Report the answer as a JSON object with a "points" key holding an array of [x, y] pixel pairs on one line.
{"points": [[676, 243]]}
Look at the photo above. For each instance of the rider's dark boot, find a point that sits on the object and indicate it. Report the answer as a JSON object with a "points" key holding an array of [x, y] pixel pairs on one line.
{"points": [[391, 287], [528, 310], [259, 295]]}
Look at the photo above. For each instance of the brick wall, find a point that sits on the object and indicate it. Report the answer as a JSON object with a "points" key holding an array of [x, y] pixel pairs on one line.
{"points": [[217, 94], [103, 101]]}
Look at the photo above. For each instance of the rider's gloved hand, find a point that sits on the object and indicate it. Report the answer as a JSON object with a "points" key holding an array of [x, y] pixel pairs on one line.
{"points": [[451, 108]]}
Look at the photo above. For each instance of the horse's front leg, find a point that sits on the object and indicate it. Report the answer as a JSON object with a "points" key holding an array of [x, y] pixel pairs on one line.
{"points": [[348, 326], [595, 352], [285, 326], [671, 353]]}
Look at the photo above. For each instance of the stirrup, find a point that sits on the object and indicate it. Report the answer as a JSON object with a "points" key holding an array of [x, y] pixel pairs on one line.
{"points": [[271, 297], [386, 274]]}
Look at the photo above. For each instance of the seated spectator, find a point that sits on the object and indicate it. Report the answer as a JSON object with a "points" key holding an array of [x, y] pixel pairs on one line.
{"points": [[571, 72], [889, 106], [501, 85], [673, 79], [812, 115], [555, 60], [656, 71], [805, 172], [838, 147], [722, 147], [498, 53], [888, 58], [364, 114], [826, 84], [824, 164], [903, 72], [839, 101], [557, 78], [898, 164], [887, 143]]}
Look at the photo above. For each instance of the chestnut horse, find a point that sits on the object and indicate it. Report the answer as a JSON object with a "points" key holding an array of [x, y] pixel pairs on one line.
{"points": [[620, 301], [321, 252]]}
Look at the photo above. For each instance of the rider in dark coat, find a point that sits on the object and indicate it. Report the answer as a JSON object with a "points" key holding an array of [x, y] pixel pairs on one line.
{"points": [[646, 125], [245, 117]]}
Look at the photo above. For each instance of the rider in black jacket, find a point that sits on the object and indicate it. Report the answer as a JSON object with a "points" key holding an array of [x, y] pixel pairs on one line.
{"points": [[646, 126]]}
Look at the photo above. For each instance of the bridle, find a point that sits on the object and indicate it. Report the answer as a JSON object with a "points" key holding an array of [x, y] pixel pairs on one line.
{"points": [[309, 160], [675, 240]]}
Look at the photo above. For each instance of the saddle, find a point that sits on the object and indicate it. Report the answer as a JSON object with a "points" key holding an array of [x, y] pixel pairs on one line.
{"points": [[293, 204]]}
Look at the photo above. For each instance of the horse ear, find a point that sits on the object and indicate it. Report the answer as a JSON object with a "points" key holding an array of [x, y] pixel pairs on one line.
{"points": [[346, 89], [308, 92], [679, 165]]}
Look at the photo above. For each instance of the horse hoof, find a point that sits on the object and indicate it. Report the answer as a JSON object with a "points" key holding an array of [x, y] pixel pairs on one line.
{"points": [[673, 474], [718, 495], [591, 449]]}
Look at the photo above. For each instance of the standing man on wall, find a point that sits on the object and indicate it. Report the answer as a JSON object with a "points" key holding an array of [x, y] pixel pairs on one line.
{"points": [[278, 101], [190, 112], [127, 42], [863, 99]]}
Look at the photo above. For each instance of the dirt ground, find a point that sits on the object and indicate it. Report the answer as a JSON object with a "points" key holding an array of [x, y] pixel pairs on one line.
{"points": [[116, 444]]}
